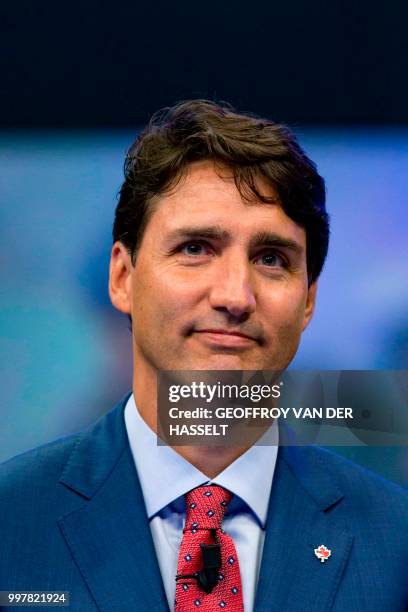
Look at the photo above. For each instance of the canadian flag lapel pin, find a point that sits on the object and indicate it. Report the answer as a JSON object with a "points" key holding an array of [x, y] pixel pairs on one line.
{"points": [[322, 552]]}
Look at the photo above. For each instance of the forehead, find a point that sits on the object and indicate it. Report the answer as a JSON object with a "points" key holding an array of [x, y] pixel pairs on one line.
{"points": [[206, 195]]}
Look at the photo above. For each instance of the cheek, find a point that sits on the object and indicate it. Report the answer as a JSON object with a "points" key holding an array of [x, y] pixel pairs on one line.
{"points": [[285, 311], [161, 299]]}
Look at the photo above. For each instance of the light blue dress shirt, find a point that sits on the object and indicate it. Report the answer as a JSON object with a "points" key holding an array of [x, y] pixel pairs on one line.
{"points": [[165, 477]]}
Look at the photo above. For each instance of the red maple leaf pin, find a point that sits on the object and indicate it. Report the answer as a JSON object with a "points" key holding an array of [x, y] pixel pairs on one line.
{"points": [[322, 552]]}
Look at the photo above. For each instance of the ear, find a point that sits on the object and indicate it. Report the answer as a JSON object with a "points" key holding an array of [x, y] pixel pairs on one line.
{"points": [[120, 279], [310, 304]]}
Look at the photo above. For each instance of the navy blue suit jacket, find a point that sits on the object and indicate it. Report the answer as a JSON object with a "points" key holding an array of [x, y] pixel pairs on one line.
{"points": [[72, 517]]}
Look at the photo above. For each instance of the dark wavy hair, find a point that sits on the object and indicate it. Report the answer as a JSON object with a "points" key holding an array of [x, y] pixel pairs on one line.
{"points": [[253, 148]]}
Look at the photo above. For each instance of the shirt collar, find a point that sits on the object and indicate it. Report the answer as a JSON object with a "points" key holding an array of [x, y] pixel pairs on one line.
{"points": [[165, 475]]}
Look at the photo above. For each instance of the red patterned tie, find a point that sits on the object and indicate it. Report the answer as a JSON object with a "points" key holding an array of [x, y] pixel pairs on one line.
{"points": [[205, 508]]}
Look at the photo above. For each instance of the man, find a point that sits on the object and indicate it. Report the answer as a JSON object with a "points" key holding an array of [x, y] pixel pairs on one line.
{"points": [[220, 236]]}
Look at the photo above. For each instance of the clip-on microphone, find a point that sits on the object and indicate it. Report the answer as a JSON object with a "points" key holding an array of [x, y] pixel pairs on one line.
{"points": [[208, 576]]}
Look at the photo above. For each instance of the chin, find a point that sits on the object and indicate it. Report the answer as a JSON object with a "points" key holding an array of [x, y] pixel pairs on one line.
{"points": [[224, 362]]}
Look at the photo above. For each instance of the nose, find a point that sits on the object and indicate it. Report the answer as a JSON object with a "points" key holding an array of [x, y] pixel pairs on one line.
{"points": [[232, 288]]}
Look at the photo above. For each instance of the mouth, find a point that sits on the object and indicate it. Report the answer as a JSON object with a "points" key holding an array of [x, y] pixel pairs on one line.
{"points": [[226, 338]]}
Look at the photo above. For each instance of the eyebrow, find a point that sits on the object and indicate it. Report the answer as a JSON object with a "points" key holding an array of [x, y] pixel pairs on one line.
{"points": [[215, 232], [212, 232], [276, 240]]}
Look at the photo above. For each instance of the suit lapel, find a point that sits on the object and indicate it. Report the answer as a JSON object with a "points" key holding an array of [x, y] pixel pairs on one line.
{"points": [[110, 541], [109, 535], [292, 578]]}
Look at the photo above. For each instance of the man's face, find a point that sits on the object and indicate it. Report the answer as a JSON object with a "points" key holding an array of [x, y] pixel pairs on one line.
{"points": [[218, 283]]}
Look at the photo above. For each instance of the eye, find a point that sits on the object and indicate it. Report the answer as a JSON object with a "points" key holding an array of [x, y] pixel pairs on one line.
{"points": [[193, 248], [271, 259]]}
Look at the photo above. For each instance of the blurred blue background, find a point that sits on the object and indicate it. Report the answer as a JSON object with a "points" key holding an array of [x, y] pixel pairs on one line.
{"points": [[66, 353]]}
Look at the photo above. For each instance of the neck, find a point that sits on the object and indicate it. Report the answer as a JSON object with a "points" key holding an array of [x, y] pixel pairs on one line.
{"points": [[210, 460]]}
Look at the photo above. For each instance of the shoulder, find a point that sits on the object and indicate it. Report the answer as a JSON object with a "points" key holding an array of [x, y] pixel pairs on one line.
{"points": [[349, 499], [364, 492], [94, 448], [354, 475], [328, 478], [32, 497], [36, 467], [42, 480]]}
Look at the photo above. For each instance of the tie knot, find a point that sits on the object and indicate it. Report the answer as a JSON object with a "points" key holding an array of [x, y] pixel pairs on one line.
{"points": [[205, 507]]}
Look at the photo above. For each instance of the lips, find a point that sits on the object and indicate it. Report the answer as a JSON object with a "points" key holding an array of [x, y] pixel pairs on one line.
{"points": [[224, 332], [225, 339]]}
